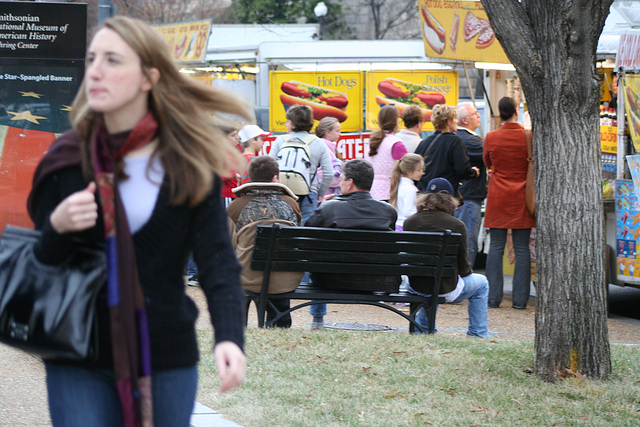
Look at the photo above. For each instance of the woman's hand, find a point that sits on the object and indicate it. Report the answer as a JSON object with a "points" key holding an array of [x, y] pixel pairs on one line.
{"points": [[77, 212], [232, 365], [475, 168]]}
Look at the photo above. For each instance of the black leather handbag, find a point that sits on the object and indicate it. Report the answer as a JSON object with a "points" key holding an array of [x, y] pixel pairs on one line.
{"points": [[48, 310]]}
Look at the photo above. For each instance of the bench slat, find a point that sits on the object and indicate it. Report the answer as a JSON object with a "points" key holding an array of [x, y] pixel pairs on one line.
{"points": [[349, 257], [427, 248], [381, 269], [351, 235]]}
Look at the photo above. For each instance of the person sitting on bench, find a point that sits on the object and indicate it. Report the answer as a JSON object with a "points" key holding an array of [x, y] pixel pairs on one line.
{"points": [[354, 208], [264, 200], [434, 214]]}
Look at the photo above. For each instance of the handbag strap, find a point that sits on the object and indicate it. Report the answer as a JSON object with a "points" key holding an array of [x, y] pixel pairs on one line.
{"points": [[529, 146], [426, 150]]}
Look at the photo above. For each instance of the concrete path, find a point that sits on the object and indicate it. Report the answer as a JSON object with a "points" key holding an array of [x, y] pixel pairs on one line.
{"points": [[23, 394]]}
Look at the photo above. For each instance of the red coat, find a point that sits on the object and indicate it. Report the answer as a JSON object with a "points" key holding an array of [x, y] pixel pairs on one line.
{"points": [[505, 152]]}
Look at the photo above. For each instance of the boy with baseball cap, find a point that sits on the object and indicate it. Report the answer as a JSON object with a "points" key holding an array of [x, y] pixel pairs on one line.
{"points": [[251, 139]]}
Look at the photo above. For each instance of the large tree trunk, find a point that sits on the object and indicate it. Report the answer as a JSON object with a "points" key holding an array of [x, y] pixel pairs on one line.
{"points": [[552, 44]]}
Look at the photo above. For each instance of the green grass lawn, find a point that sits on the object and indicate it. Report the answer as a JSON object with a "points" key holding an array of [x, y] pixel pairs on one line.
{"points": [[316, 378]]}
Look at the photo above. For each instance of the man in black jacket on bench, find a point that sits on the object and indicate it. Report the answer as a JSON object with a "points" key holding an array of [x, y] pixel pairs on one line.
{"points": [[354, 208]]}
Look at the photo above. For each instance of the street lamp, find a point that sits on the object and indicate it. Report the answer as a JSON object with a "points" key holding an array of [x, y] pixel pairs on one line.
{"points": [[320, 11]]}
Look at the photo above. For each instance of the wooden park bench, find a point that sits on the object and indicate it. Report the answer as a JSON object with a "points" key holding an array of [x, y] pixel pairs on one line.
{"points": [[334, 250]]}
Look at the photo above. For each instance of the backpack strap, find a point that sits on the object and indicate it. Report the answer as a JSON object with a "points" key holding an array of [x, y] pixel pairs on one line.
{"points": [[307, 141], [309, 138]]}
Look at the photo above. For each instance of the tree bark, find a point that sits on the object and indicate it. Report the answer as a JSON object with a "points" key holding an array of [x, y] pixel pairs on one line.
{"points": [[552, 44]]}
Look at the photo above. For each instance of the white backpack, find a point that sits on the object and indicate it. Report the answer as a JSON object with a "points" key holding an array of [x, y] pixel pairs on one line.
{"points": [[294, 160]]}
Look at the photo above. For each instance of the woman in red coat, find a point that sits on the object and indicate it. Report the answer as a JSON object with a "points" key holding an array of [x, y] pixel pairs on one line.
{"points": [[505, 152]]}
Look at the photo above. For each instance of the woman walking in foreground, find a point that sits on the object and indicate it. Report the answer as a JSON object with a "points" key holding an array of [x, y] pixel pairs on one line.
{"points": [[139, 175]]}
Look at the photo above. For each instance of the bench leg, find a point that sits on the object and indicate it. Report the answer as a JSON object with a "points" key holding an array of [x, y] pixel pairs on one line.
{"points": [[278, 314], [413, 311], [431, 316], [246, 310]]}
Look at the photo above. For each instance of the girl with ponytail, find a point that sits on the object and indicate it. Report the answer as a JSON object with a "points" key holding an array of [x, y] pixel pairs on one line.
{"points": [[403, 191]]}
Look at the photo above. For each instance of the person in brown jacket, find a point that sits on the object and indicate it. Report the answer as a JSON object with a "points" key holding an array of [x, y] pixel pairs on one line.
{"points": [[264, 200], [505, 154], [434, 214]]}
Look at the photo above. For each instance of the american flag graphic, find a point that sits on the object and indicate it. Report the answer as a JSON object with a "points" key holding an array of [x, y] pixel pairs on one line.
{"points": [[35, 102]]}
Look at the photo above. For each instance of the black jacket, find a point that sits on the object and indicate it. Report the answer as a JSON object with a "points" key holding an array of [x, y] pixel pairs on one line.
{"points": [[356, 210], [475, 188], [446, 158], [161, 249]]}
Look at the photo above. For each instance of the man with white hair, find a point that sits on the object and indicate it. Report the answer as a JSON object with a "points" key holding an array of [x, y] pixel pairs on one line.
{"points": [[473, 190]]}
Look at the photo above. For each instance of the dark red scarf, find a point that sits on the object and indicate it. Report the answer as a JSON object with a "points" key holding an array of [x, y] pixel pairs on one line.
{"points": [[129, 330]]}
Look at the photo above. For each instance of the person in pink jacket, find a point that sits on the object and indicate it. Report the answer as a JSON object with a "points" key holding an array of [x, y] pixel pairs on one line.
{"points": [[384, 149], [505, 153]]}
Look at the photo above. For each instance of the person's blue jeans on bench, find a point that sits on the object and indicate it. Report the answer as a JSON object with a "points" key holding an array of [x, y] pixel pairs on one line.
{"points": [[475, 289]]}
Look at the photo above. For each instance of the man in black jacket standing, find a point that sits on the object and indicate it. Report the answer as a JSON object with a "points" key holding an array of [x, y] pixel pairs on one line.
{"points": [[473, 190]]}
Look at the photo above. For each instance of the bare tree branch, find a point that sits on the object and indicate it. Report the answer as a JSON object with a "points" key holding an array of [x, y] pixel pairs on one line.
{"points": [[386, 16], [394, 22]]}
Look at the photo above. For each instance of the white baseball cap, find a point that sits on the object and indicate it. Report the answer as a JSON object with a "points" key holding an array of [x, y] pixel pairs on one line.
{"points": [[251, 131]]}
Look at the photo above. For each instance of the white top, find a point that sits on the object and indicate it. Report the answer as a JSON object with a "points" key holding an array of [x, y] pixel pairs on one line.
{"points": [[139, 192], [410, 139], [449, 296], [407, 194]]}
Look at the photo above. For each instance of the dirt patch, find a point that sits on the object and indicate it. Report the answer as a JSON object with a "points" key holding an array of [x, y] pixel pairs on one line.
{"points": [[452, 319]]}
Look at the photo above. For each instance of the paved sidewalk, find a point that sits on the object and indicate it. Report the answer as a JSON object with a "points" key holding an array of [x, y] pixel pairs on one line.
{"points": [[23, 394]]}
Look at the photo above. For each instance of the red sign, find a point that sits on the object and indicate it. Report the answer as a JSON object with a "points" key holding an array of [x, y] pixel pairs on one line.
{"points": [[350, 146]]}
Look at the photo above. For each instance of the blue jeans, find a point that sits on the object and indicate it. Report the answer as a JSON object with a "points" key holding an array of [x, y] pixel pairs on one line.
{"points": [[192, 268], [522, 270], [471, 214], [80, 397], [476, 290], [307, 204], [319, 310]]}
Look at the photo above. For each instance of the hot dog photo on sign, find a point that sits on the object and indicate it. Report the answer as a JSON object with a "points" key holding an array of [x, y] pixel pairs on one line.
{"points": [[435, 33], [402, 94], [323, 101]]}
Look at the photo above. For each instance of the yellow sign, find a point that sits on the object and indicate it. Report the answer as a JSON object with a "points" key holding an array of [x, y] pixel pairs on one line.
{"points": [[187, 41], [458, 30], [631, 90], [403, 88], [609, 139], [332, 94]]}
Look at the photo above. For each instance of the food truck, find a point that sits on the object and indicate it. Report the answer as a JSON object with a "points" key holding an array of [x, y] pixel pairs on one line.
{"points": [[623, 224]]}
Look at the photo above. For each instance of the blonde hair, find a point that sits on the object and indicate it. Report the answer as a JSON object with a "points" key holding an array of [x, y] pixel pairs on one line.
{"points": [[191, 148], [325, 125], [407, 164], [442, 113]]}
